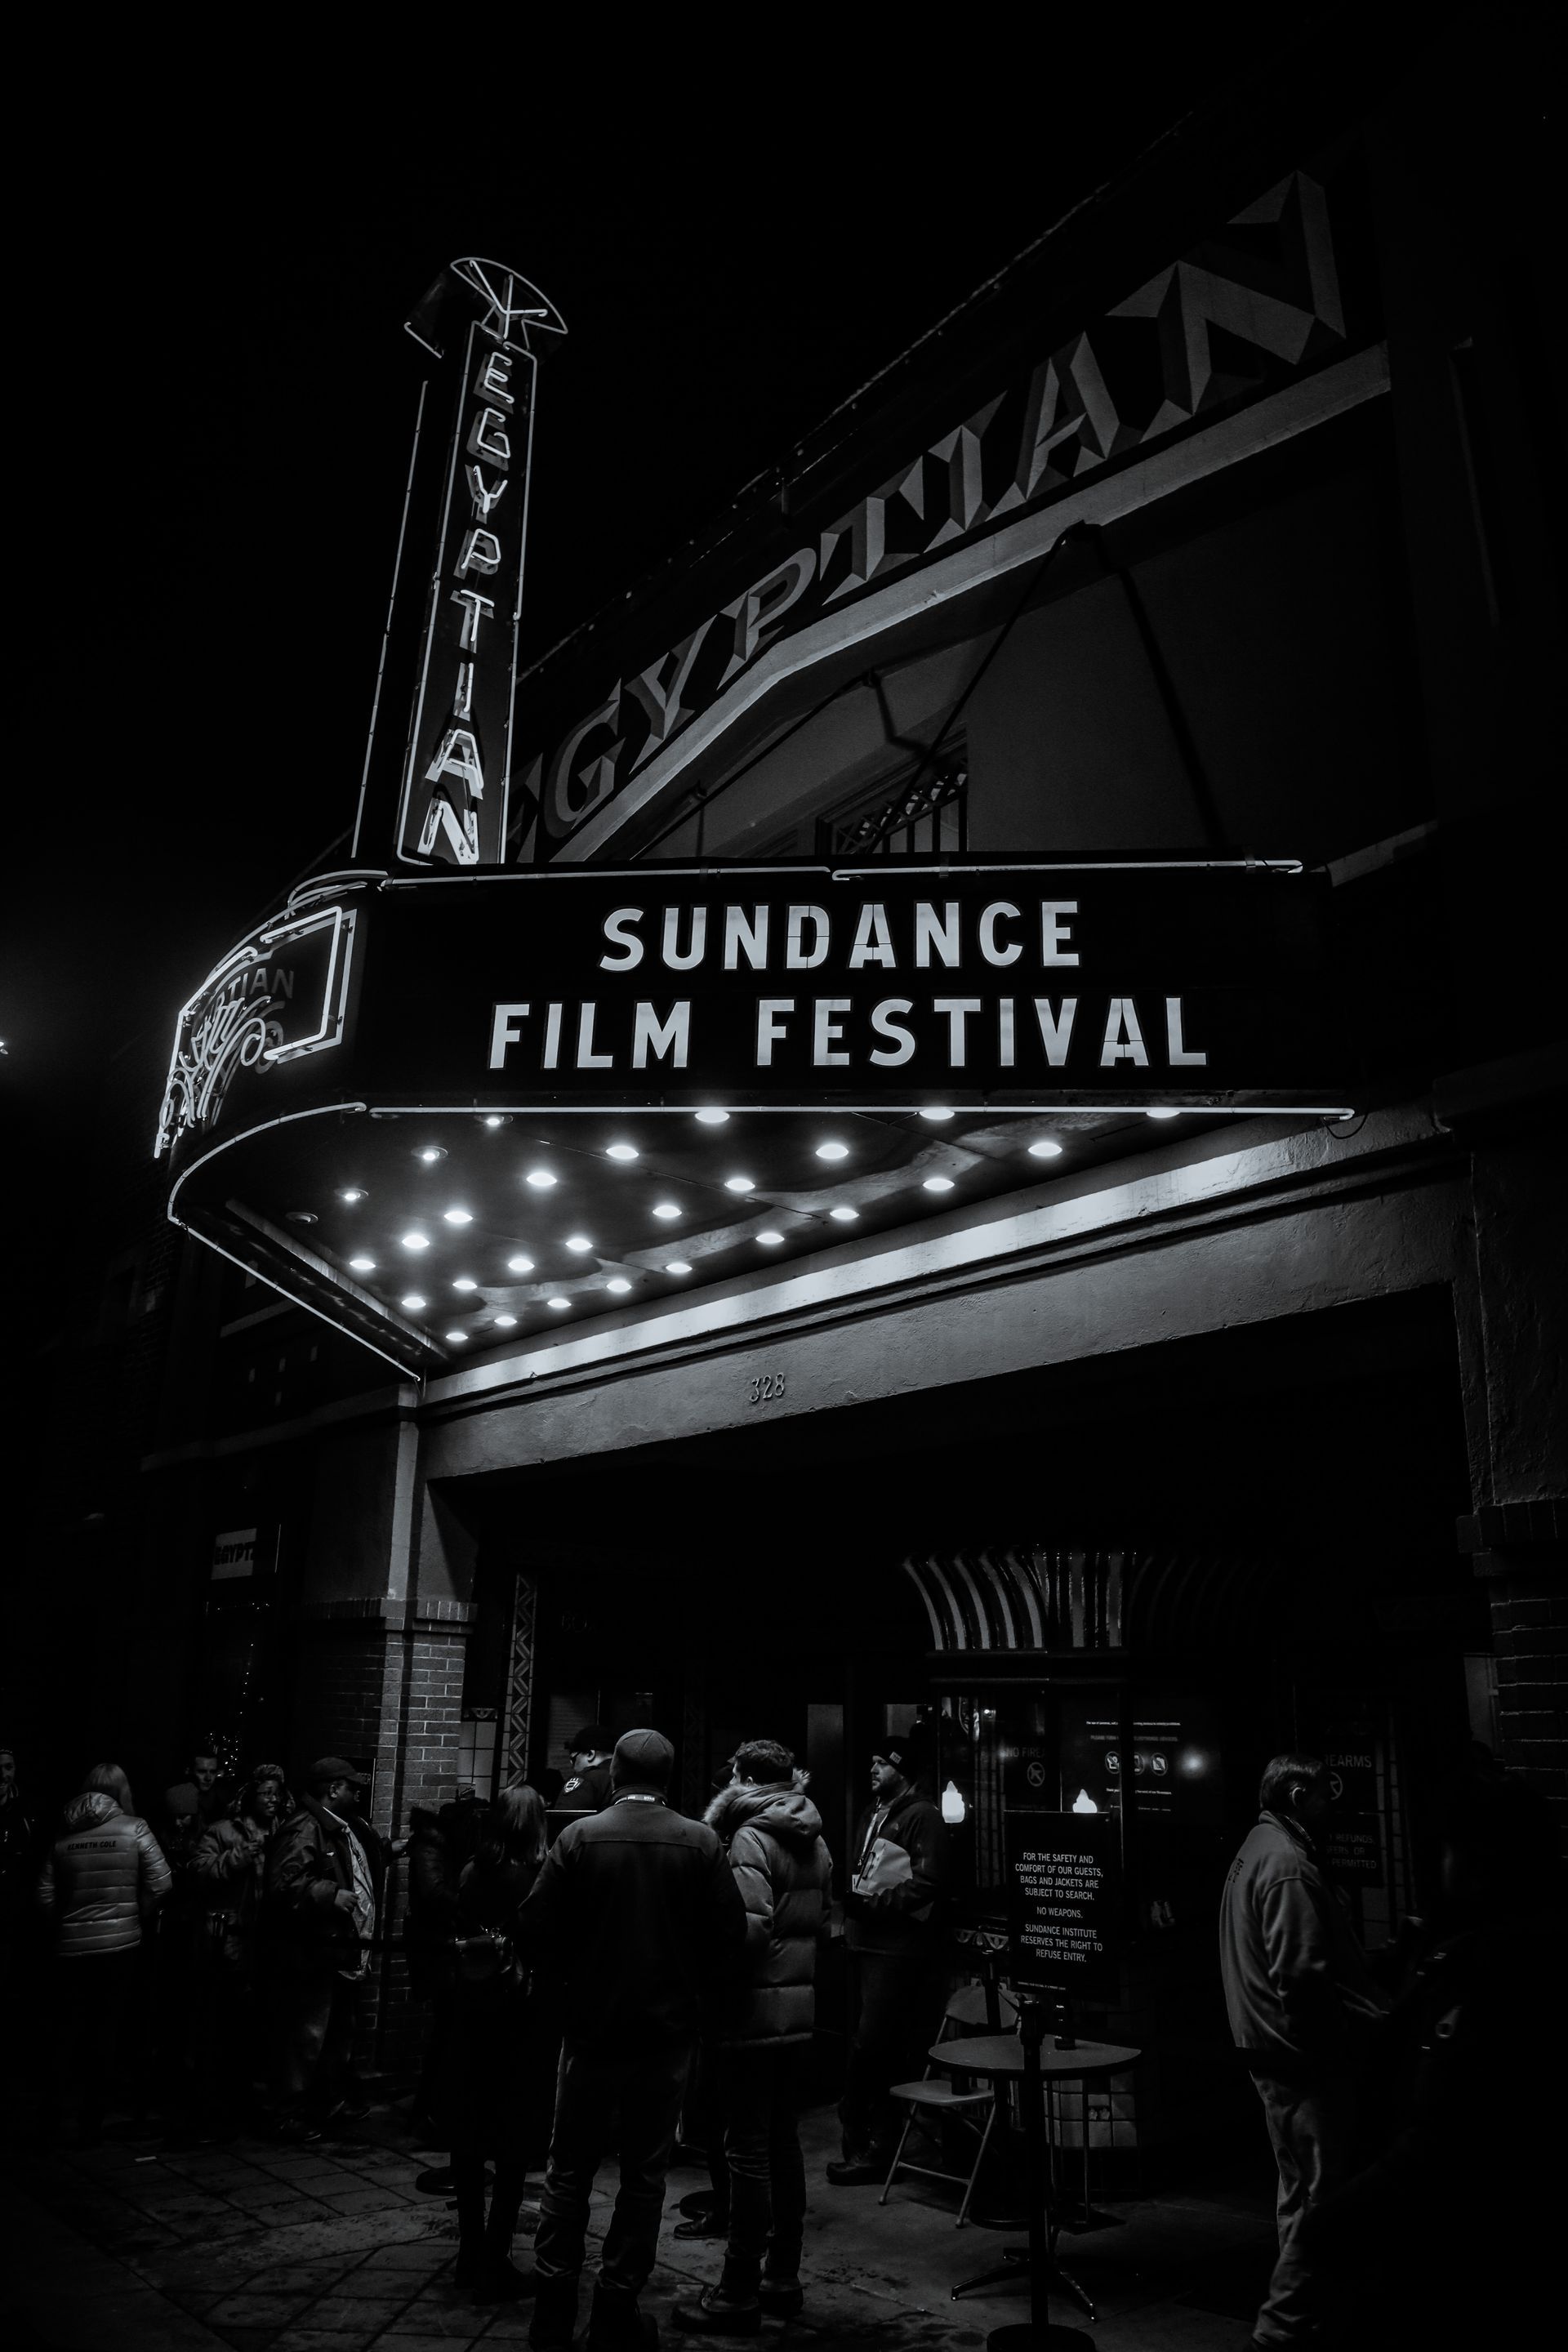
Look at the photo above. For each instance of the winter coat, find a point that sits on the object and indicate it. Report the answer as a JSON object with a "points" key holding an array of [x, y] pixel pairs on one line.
{"points": [[229, 1867], [638, 1913], [1296, 1982], [432, 1875], [101, 1879], [311, 1859], [913, 1915], [784, 1872]]}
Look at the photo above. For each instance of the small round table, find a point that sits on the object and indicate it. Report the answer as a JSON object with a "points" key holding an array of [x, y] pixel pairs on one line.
{"points": [[1001, 2057]]}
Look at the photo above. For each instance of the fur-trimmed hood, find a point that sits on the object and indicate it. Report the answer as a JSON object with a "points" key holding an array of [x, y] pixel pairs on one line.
{"points": [[780, 1806]]}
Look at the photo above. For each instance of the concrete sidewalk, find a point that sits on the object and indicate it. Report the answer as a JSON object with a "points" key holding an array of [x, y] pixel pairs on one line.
{"points": [[259, 2248]]}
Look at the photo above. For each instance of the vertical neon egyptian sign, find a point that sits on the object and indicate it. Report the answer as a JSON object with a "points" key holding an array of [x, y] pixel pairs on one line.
{"points": [[440, 750]]}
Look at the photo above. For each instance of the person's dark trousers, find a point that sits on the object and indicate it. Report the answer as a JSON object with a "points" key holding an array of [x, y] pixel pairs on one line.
{"points": [[1311, 2122], [898, 2015], [431, 2100], [316, 2025], [94, 1998], [484, 2242], [767, 2171], [644, 2089]]}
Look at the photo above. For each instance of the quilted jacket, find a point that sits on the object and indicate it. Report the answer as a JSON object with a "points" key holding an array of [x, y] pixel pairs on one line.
{"points": [[783, 1869], [101, 1877]]}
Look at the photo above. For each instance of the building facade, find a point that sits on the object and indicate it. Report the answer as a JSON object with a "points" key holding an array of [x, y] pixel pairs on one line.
{"points": [[1117, 1425]]}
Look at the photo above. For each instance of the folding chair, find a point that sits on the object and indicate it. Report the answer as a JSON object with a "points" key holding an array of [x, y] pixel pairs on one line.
{"points": [[935, 2095]]}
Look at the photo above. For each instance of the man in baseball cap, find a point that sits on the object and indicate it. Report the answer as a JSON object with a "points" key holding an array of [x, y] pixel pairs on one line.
{"points": [[324, 1881], [638, 1913], [587, 1787], [894, 1916]]}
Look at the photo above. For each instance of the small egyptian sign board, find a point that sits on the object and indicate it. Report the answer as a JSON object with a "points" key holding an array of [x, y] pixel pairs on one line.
{"points": [[234, 1554], [1063, 1903]]}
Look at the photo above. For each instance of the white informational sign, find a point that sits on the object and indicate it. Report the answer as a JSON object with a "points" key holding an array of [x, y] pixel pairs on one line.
{"points": [[234, 1553]]}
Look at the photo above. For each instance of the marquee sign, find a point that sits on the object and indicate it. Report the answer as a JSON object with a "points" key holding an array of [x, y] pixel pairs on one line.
{"points": [[1256, 304], [449, 660]]}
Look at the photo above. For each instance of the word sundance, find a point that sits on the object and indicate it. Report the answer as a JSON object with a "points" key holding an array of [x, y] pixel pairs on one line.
{"points": [[1063, 1900], [938, 1031], [454, 790]]}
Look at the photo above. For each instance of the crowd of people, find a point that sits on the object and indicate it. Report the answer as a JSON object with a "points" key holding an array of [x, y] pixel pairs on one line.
{"points": [[606, 1975]]}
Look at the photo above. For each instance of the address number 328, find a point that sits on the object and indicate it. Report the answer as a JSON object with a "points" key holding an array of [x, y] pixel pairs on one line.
{"points": [[765, 1387]]}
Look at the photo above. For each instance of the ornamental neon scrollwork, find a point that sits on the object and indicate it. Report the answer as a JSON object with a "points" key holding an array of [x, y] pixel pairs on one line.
{"points": [[231, 1034]]}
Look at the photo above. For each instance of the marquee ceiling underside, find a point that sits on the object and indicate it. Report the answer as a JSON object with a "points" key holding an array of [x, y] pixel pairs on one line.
{"points": [[445, 1231]]}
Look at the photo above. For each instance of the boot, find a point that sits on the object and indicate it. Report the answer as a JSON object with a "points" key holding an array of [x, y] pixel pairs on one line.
{"points": [[731, 2308], [555, 2321], [500, 2281], [616, 2325]]}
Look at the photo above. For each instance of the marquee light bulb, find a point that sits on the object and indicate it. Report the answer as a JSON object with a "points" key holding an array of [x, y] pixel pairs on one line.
{"points": [[833, 1151], [351, 1193], [430, 1154], [619, 1282], [936, 1117], [712, 1118], [558, 1303], [578, 1242], [415, 1241], [844, 1217], [458, 1216], [506, 1322], [665, 1209], [456, 1337], [939, 1184], [1164, 1111], [740, 1184], [541, 1178], [363, 1265], [1045, 1149], [414, 1302], [622, 1151], [464, 1281], [519, 1266], [678, 1265], [497, 1119], [770, 1240]]}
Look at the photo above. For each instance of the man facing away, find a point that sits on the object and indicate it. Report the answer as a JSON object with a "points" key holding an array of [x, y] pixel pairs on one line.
{"points": [[638, 1913], [895, 1916], [1298, 1992], [784, 1869], [324, 1878]]}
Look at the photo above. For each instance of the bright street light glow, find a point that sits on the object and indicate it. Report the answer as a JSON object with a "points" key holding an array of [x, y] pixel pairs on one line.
{"points": [[1045, 1149], [578, 1242], [458, 1216], [464, 1281], [833, 1151], [363, 1265], [712, 1118], [541, 1177], [939, 1184], [619, 1282], [622, 1151], [844, 1216], [740, 1184], [678, 1265], [519, 1266], [665, 1209], [415, 1241]]}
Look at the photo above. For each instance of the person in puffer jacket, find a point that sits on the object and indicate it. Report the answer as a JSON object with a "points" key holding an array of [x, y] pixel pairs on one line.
{"points": [[104, 1875], [772, 1834]]}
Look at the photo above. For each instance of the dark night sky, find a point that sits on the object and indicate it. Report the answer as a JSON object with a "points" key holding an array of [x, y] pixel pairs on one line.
{"points": [[732, 258]]}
